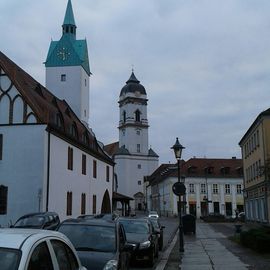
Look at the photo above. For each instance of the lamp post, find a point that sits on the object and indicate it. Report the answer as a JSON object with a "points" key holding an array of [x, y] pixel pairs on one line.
{"points": [[177, 148]]}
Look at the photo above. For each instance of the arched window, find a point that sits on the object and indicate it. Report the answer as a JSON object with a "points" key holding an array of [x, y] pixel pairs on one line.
{"points": [[137, 116]]}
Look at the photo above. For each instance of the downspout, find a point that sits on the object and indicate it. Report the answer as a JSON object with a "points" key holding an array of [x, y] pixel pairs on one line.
{"points": [[265, 175], [48, 171]]}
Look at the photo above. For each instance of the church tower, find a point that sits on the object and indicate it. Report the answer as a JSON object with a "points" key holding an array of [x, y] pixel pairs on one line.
{"points": [[67, 68], [134, 159], [133, 125]]}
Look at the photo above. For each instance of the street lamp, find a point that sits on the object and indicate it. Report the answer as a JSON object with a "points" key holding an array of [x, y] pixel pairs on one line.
{"points": [[177, 148]]}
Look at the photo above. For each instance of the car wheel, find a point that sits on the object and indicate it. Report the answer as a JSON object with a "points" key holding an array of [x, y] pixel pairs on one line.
{"points": [[156, 251], [151, 258]]}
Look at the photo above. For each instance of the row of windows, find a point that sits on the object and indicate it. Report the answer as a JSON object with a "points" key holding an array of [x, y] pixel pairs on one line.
{"points": [[138, 131], [215, 189], [137, 116], [253, 171], [69, 202], [252, 144], [84, 165], [4, 196]]}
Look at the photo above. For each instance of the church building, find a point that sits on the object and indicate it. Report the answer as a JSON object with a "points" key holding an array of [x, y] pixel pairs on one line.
{"points": [[132, 156], [50, 160]]}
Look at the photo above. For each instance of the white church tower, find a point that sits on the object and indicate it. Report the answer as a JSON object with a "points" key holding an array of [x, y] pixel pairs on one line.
{"points": [[134, 159], [67, 68]]}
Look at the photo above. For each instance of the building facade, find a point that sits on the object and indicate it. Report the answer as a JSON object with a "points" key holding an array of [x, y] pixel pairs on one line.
{"points": [[212, 186], [133, 158], [255, 148], [49, 158]]}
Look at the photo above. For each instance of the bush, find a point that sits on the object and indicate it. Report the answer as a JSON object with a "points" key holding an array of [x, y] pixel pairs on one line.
{"points": [[256, 239]]}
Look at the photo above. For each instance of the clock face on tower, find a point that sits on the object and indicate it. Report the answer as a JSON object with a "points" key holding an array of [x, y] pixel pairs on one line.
{"points": [[63, 53]]}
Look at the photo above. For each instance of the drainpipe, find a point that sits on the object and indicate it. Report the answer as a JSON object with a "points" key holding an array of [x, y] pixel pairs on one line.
{"points": [[48, 171]]}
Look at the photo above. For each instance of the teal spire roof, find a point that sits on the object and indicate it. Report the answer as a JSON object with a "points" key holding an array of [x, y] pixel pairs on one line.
{"points": [[68, 51], [69, 16]]}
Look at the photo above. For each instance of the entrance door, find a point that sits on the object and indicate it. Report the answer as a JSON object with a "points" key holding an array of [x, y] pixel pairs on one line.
{"points": [[216, 207]]}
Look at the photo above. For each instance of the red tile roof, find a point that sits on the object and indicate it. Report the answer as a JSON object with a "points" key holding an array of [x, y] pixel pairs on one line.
{"points": [[47, 108]]}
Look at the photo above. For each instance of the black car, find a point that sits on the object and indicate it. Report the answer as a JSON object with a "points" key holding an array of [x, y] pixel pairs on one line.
{"points": [[159, 229], [140, 232], [100, 244], [40, 220]]}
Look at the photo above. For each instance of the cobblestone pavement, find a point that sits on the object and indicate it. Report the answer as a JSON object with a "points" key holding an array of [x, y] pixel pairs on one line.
{"points": [[255, 260], [211, 249]]}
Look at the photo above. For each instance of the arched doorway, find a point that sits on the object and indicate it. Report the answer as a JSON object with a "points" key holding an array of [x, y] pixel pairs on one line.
{"points": [[106, 203]]}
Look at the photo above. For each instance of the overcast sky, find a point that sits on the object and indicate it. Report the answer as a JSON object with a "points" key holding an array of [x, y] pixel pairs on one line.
{"points": [[205, 64]]}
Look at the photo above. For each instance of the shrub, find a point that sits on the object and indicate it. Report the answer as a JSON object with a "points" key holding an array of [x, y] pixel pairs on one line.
{"points": [[257, 239]]}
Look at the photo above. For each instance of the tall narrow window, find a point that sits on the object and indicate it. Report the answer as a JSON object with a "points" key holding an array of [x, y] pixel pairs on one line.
{"points": [[70, 158], [227, 189], [69, 203], [84, 164], [83, 202], [94, 168], [238, 188], [215, 188], [107, 173], [191, 188], [1, 146], [138, 148], [203, 188], [3, 199], [124, 116], [138, 116], [94, 204]]}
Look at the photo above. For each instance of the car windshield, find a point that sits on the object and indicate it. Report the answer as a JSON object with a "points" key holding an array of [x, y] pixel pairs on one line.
{"points": [[90, 237], [9, 258], [133, 226], [33, 221]]}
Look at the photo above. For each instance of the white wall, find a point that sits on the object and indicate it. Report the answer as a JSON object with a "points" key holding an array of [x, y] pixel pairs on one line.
{"points": [[21, 168], [74, 90], [63, 180]]}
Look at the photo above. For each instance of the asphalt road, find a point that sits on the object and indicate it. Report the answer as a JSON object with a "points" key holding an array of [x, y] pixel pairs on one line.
{"points": [[171, 225]]}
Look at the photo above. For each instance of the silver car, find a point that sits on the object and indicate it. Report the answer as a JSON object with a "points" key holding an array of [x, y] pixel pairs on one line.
{"points": [[34, 249]]}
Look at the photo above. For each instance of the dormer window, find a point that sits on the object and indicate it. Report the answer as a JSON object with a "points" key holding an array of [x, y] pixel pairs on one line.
{"points": [[209, 170], [59, 120], [192, 169], [85, 138], [74, 132], [225, 170], [137, 116]]}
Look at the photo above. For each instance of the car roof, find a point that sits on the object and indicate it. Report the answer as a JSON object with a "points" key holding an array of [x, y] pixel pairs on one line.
{"points": [[94, 221], [144, 219], [15, 238], [39, 214]]}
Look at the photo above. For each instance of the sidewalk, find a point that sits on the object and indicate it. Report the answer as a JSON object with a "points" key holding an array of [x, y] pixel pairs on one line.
{"points": [[202, 252]]}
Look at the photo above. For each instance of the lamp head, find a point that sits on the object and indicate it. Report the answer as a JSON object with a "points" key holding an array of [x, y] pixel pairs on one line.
{"points": [[177, 148]]}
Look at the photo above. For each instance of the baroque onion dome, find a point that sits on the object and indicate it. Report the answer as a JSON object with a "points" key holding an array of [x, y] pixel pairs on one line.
{"points": [[133, 86]]}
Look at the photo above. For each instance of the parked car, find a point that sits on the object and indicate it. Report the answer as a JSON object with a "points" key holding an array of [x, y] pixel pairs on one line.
{"points": [[159, 229], [40, 220], [100, 243], [34, 249], [153, 214], [140, 232]]}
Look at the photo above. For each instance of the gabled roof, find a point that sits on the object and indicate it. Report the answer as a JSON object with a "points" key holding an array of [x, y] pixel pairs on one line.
{"points": [[50, 110], [199, 167], [111, 148]]}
